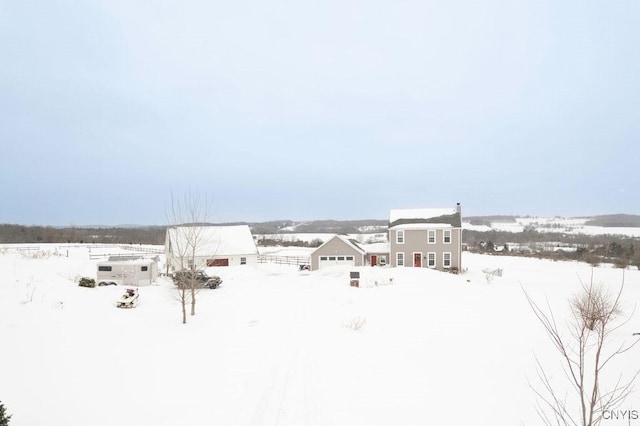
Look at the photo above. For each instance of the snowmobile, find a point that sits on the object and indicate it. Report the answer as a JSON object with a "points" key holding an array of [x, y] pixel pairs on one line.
{"points": [[129, 299]]}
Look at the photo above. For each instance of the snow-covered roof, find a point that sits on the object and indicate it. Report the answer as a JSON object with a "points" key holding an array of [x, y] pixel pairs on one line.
{"points": [[439, 217], [213, 240], [398, 214], [423, 226], [348, 241], [125, 261], [376, 247]]}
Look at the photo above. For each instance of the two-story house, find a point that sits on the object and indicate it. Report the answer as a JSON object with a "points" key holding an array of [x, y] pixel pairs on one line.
{"points": [[426, 238]]}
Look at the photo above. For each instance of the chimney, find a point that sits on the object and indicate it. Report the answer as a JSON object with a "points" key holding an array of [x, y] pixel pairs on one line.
{"points": [[457, 207]]}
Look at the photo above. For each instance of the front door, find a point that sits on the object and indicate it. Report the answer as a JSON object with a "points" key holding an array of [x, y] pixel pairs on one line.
{"points": [[374, 260], [417, 260]]}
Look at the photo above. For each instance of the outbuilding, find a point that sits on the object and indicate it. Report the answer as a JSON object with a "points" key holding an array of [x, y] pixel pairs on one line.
{"points": [[202, 246], [340, 250], [127, 270]]}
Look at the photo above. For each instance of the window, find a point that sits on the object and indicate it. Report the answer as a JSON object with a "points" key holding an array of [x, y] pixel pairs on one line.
{"points": [[383, 260], [399, 259], [332, 258], [431, 260], [431, 236], [341, 258], [243, 260], [104, 268], [446, 260], [349, 257], [144, 268], [400, 237], [446, 236], [323, 257]]}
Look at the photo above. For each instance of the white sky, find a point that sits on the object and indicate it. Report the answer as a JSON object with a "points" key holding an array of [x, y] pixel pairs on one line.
{"points": [[333, 109]]}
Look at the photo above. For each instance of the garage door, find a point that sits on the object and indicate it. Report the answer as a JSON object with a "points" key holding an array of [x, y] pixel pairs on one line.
{"points": [[217, 262], [337, 260]]}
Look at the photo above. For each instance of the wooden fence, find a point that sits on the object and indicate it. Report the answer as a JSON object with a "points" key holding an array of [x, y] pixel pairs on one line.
{"points": [[136, 251], [284, 260]]}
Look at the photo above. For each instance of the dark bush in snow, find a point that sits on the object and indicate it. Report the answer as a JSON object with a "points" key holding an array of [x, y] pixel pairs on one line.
{"points": [[87, 282], [4, 417]]}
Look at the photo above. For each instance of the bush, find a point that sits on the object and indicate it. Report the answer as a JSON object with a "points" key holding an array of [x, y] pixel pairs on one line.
{"points": [[4, 417], [87, 282]]}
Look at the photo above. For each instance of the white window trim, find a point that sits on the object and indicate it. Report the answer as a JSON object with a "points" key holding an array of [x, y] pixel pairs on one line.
{"points": [[434, 236], [444, 233], [398, 255], [398, 233], [435, 259], [444, 257]]}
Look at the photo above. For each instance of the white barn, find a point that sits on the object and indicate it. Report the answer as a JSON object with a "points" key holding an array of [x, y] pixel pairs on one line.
{"points": [[209, 246]]}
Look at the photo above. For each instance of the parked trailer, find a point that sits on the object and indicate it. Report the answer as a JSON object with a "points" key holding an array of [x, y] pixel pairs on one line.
{"points": [[138, 272]]}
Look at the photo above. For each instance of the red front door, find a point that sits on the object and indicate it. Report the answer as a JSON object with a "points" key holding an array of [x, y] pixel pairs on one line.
{"points": [[374, 260], [417, 260]]}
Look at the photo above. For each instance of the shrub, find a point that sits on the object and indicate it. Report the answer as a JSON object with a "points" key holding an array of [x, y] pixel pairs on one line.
{"points": [[4, 417], [87, 282]]}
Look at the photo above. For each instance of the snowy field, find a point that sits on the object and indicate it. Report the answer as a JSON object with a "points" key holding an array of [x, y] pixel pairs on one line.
{"points": [[274, 346], [554, 224]]}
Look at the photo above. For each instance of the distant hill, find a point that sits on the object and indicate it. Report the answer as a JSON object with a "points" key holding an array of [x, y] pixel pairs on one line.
{"points": [[615, 220], [608, 221], [156, 234], [487, 220]]}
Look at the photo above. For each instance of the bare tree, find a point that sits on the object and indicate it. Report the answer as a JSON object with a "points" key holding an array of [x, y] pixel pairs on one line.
{"points": [[586, 344], [188, 217], [182, 295]]}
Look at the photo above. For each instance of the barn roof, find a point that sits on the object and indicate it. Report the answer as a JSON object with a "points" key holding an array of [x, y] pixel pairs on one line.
{"points": [[212, 240]]}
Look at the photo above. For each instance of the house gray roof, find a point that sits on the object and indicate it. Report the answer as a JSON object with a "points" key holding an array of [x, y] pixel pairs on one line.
{"points": [[450, 216]]}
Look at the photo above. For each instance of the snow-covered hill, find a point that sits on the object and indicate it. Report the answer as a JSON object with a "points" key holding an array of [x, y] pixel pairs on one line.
{"points": [[552, 224]]}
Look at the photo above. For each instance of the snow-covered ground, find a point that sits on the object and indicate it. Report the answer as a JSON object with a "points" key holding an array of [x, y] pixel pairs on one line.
{"points": [[274, 346]]}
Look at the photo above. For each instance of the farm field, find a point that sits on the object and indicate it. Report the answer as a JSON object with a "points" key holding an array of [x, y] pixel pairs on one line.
{"points": [[275, 346]]}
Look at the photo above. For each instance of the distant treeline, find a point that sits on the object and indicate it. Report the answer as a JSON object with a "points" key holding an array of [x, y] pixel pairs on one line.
{"points": [[48, 234], [475, 238], [156, 234], [619, 250]]}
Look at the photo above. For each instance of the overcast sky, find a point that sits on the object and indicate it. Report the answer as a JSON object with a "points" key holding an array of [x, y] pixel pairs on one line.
{"points": [[332, 109]]}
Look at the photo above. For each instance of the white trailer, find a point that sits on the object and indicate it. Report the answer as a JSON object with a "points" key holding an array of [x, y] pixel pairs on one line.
{"points": [[134, 271]]}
